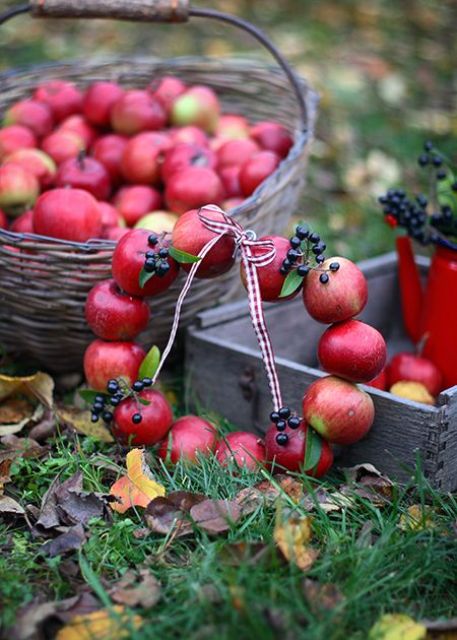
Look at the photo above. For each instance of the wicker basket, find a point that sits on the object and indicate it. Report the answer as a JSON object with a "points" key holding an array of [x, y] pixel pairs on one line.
{"points": [[44, 282]]}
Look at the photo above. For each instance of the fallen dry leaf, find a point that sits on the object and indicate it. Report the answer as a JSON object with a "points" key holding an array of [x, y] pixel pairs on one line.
{"points": [[137, 590], [412, 391], [45, 428], [80, 421], [17, 413], [322, 597], [10, 506], [365, 481], [104, 624], [241, 554], [292, 536], [70, 540], [215, 516], [397, 626], [171, 514], [23, 447], [138, 487], [417, 518], [39, 386]]}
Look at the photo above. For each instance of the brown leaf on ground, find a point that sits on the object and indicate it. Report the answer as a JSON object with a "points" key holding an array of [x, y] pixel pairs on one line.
{"points": [[10, 506], [321, 597], [39, 386], [164, 515], [367, 482], [45, 429], [80, 421], [17, 413], [292, 536], [105, 624], [325, 500], [365, 538], [70, 540], [215, 516], [23, 447], [241, 554], [137, 590], [5, 466]]}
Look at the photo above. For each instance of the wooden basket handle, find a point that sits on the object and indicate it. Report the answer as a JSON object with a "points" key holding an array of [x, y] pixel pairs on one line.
{"points": [[155, 11]]}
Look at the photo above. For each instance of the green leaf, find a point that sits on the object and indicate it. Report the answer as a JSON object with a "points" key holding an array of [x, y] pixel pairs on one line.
{"points": [[445, 194], [182, 256], [291, 284], [89, 395], [150, 363], [313, 449], [143, 401], [144, 277]]}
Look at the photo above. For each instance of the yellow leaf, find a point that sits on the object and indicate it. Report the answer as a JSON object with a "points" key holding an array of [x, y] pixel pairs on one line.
{"points": [[40, 386], [397, 626], [104, 624], [138, 487], [417, 518], [412, 391], [292, 538], [80, 421]]}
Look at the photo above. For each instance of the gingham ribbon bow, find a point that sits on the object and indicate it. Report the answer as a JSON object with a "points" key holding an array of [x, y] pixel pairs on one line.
{"points": [[254, 253]]}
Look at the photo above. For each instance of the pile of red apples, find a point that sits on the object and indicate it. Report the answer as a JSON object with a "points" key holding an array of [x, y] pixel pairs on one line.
{"points": [[83, 164]]}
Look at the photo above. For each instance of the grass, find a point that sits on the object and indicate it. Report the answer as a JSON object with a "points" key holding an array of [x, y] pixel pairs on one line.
{"points": [[205, 594]]}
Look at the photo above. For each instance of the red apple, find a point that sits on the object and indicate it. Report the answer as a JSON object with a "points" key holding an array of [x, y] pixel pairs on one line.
{"points": [[114, 233], [198, 106], [18, 188], [106, 360], [110, 217], [272, 137], [234, 153], [242, 448], [98, 101], [62, 97], [156, 419], [189, 135], [69, 214], [37, 162], [192, 188], [158, 222], [380, 381], [14, 138], [291, 455], [77, 124], [137, 111], [166, 90], [257, 169], [84, 173], [271, 280], [136, 201], [408, 366], [3, 220], [35, 115], [114, 315], [24, 223], [352, 350], [109, 150], [128, 261], [343, 296], [183, 156], [189, 438], [338, 410], [232, 127], [63, 145], [191, 235], [230, 178], [143, 156]]}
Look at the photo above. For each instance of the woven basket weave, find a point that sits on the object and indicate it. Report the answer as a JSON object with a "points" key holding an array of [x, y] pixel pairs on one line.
{"points": [[44, 282]]}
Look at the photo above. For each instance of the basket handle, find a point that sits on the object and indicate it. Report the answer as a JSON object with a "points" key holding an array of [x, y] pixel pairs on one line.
{"points": [[154, 11]]}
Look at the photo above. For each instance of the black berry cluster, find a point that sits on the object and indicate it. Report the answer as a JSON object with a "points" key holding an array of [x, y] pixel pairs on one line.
{"points": [[306, 253], [117, 391], [283, 418], [424, 218], [156, 258]]}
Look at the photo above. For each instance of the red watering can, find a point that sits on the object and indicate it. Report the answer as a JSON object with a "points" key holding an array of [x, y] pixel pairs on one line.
{"points": [[430, 314]]}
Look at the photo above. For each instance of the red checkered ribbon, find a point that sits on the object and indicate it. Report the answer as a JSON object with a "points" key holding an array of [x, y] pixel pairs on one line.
{"points": [[254, 254]]}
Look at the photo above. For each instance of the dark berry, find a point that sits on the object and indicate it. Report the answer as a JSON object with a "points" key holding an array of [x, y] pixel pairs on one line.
{"points": [[164, 253], [150, 254], [138, 386], [282, 439], [441, 174], [334, 266], [107, 416], [437, 161], [163, 269], [383, 200], [283, 271], [98, 406], [303, 270], [454, 186], [153, 240], [286, 264], [150, 265], [284, 412], [422, 200], [319, 247], [147, 382], [94, 417], [281, 425], [428, 145], [294, 422], [302, 232], [320, 258], [115, 400], [293, 255], [324, 278], [314, 237], [137, 418], [112, 386], [100, 398], [423, 160], [274, 416], [295, 242]]}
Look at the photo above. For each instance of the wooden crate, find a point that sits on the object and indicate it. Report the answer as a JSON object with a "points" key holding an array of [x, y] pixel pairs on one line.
{"points": [[225, 374]]}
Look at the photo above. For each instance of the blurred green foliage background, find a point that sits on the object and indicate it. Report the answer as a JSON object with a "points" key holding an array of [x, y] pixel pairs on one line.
{"points": [[385, 70]]}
